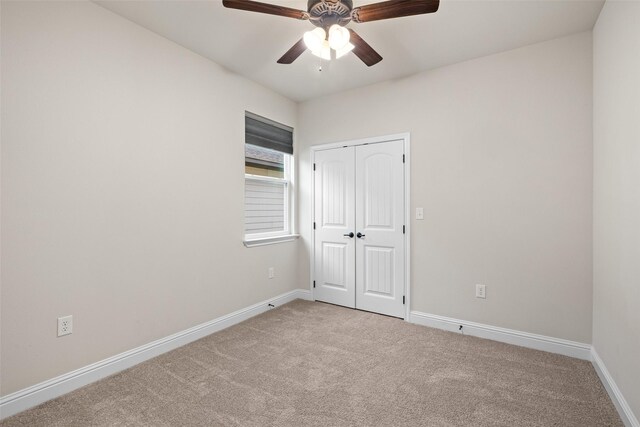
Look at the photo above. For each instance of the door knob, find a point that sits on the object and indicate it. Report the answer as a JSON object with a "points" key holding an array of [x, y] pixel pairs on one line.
{"points": [[349, 235], [359, 235]]}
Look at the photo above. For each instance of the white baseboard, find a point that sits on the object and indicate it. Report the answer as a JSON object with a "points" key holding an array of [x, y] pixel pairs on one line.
{"points": [[509, 336], [31, 396], [627, 415]]}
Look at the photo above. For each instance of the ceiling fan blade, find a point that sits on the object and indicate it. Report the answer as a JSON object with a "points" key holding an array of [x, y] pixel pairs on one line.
{"points": [[271, 9], [393, 9], [293, 53], [363, 51]]}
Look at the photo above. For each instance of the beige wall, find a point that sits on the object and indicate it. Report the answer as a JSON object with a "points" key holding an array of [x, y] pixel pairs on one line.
{"points": [[501, 161], [616, 204], [122, 189]]}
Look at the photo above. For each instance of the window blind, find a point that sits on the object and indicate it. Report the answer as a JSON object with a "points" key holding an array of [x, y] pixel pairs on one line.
{"points": [[267, 133], [264, 206]]}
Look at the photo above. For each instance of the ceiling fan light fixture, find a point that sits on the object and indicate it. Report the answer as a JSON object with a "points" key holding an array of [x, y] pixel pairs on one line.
{"points": [[342, 52], [315, 39], [335, 14], [338, 37]]}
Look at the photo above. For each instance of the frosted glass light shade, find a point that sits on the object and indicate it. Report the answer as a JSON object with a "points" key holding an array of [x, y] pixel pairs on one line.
{"points": [[342, 52], [324, 51], [315, 39], [338, 37]]}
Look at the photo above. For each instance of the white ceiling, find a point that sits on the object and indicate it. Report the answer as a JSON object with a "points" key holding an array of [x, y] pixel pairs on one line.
{"points": [[250, 43]]}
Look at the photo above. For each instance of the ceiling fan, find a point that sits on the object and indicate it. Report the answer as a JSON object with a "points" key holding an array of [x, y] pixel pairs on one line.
{"points": [[330, 17]]}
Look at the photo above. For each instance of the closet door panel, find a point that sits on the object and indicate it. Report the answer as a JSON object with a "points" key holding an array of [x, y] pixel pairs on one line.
{"points": [[379, 220], [334, 214]]}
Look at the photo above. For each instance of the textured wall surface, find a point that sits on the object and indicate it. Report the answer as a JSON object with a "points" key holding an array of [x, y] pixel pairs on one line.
{"points": [[616, 207]]}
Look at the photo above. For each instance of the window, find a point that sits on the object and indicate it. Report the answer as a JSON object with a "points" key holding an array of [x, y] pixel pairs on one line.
{"points": [[267, 190]]}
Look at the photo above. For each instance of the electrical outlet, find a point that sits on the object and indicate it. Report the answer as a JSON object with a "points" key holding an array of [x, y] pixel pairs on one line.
{"points": [[481, 291], [65, 325], [272, 272]]}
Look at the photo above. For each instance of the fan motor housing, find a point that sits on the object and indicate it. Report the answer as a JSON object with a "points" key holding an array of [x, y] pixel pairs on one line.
{"points": [[325, 13]]}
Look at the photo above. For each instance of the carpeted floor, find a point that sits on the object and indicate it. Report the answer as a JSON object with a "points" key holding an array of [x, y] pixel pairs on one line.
{"points": [[309, 363]]}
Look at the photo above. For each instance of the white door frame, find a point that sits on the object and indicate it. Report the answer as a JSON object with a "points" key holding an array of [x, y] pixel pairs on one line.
{"points": [[406, 138]]}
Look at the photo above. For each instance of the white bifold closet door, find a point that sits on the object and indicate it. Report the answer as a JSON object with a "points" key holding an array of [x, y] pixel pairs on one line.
{"points": [[359, 219]]}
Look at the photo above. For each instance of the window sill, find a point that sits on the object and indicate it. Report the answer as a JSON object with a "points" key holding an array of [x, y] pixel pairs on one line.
{"points": [[250, 243]]}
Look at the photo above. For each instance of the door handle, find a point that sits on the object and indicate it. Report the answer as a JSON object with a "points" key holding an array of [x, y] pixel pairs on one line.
{"points": [[349, 235], [359, 235]]}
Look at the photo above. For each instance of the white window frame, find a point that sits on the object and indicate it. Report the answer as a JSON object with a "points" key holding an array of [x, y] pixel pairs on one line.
{"points": [[288, 234]]}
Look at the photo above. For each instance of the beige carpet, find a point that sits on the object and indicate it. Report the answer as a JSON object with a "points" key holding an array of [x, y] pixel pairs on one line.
{"points": [[311, 363]]}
